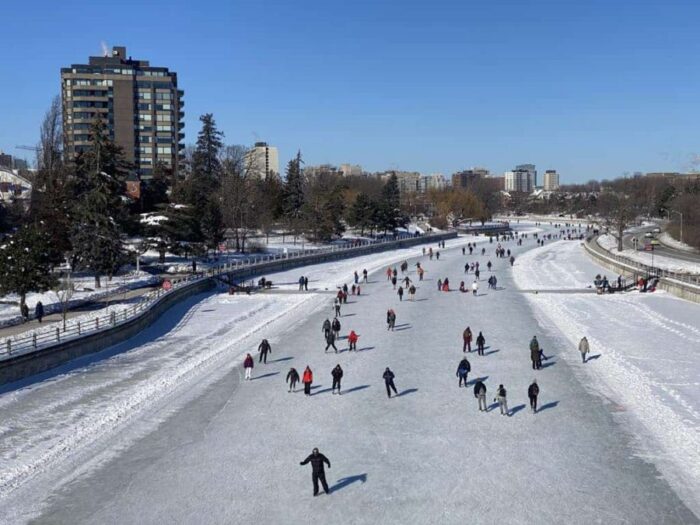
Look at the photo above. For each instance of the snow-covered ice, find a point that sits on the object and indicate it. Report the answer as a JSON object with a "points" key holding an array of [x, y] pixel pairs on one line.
{"points": [[162, 429]]}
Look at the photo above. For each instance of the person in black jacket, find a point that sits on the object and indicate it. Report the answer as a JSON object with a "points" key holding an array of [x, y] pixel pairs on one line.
{"points": [[480, 342], [317, 471], [480, 394], [389, 382], [462, 371], [326, 327], [39, 311], [337, 374], [532, 392], [292, 379], [330, 341], [264, 349]]}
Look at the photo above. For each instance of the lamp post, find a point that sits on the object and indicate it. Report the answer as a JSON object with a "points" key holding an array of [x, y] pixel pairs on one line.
{"points": [[669, 212]]}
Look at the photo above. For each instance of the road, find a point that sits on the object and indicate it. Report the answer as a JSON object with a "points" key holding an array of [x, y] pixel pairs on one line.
{"points": [[660, 249], [163, 429]]}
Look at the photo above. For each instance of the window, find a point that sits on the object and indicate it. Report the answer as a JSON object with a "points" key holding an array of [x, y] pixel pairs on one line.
{"points": [[164, 128], [145, 107], [164, 150], [145, 116], [145, 139]]}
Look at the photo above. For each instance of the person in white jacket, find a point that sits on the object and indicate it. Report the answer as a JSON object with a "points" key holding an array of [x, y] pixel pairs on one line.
{"points": [[475, 287], [583, 348]]}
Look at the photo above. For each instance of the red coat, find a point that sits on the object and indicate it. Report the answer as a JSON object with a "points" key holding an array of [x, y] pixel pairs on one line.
{"points": [[308, 377], [248, 363], [353, 337]]}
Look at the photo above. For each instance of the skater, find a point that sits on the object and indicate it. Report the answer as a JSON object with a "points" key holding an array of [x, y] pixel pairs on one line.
{"points": [[388, 273], [352, 340], [326, 327], [389, 382], [437, 255], [412, 293], [480, 394], [480, 342], [400, 293], [532, 392], [337, 374], [306, 284], [248, 366], [502, 401], [264, 348], [583, 348], [475, 288], [336, 305], [364, 275], [317, 471], [466, 268], [534, 352], [467, 339], [292, 379], [307, 379], [301, 283], [352, 289], [358, 289], [464, 250], [512, 259], [39, 311], [357, 277], [488, 266], [336, 327], [439, 284], [330, 341], [390, 319], [406, 281], [463, 371], [393, 282]]}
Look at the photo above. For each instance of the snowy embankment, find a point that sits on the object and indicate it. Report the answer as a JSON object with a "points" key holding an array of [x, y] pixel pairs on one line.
{"points": [[77, 408], [608, 242], [648, 363], [669, 241], [84, 292]]}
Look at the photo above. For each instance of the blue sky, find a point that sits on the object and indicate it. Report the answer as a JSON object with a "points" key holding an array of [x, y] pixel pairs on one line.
{"points": [[592, 88]]}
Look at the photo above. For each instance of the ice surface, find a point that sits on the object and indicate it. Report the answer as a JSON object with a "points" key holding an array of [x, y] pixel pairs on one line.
{"points": [[163, 430]]}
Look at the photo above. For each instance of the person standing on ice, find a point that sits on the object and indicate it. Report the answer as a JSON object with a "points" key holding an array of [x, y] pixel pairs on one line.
{"points": [[352, 340], [475, 288], [388, 273], [463, 371], [467, 339], [364, 275], [389, 382], [337, 374], [357, 277], [480, 394], [307, 379], [326, 327], [412, 293], [390, 319], [534, 352], [393, 282], [330, 341], [583, 348], [501, 399], [301, 283], [532, 392], [400, 293], [512, 259], [264, 349], [292, 379], [480, 342], [336, 305], [439, 284], [248, 366], [336, 327], [318, 473], [306, 284]]}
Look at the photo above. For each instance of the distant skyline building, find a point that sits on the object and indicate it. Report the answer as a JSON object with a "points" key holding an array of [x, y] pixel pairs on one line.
{"points": [[350, 169], [519, 180], [466, 179], [532, 171], [263, 160], [551, 180], [139, 104]]}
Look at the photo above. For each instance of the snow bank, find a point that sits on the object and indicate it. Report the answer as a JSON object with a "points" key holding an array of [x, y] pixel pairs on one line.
{"points": [[666, 239], [608, 242]]}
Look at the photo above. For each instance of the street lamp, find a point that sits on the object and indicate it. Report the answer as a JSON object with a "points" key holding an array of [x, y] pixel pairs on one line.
{"points": [[669, 212]]}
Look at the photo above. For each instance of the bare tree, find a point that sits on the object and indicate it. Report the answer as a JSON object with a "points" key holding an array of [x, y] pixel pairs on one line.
{"points": [[238, 202], [50, 149]]}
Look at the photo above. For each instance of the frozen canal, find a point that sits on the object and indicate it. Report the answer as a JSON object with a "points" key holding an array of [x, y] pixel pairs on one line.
{"points": [[164, 430]]}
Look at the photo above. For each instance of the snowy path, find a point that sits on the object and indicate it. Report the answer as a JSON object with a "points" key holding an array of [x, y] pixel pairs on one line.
{"points": [[164, 431]]}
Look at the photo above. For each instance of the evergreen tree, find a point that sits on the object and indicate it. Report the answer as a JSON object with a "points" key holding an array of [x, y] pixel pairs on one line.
{"points": [[25, 263], [206, 166], [293, 194], [173, 232], [361, 213], [212, 224], [99, 207], [389, 212]]}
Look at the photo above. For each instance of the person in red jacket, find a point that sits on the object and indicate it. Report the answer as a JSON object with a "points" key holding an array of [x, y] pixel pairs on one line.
{"points": [[248, 365], [307, 379], [352, 339]]}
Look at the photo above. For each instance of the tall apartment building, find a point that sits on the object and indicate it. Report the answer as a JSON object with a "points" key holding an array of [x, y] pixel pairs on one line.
{"points": [[532, 171], [140, 105], [466, 179], [519, 180], [263, 160], [551, 180]]}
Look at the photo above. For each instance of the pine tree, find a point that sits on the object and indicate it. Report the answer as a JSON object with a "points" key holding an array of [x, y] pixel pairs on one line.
{"points": [[212, 224], [99, 208], [361, 213], [293, 194], [206, 167], [389, 213], [25, 263]]}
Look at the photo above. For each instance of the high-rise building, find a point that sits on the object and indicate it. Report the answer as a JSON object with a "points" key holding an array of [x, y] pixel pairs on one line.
{"points": [[263, 160], [350, 169], [139, 104], [466, 179], [519, 180], [551, 180], [532, 171]]}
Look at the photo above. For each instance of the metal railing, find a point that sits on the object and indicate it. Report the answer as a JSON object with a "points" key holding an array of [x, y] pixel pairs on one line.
{"points": [[116, 315], [592, 246]]}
